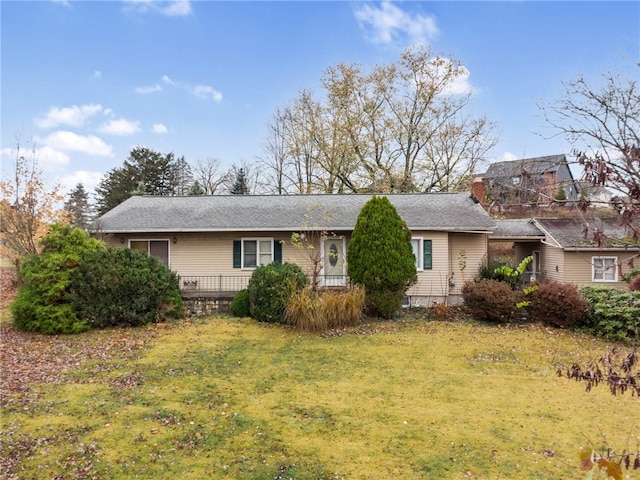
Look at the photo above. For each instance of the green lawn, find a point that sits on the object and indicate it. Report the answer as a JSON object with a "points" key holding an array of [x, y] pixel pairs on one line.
{"points": [[230, 398]]}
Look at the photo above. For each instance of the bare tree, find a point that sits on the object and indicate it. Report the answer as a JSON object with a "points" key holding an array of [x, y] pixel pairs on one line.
{"points": [[27, 206], [275, 155], [602, 125], [400, 127], [209, 175], [456, 150]]}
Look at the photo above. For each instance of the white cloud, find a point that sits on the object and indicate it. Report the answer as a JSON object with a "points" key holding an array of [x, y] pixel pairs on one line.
{"points": [[201, 91], [89, 181], [173, 8], [388, 24], [97, 74], [69, 141], [48, 158], [120, 127], [51, 159], [159, 128], [168, 81], [459, 84], [206, 92], [177, 8], [149, 89], [74, 116]]}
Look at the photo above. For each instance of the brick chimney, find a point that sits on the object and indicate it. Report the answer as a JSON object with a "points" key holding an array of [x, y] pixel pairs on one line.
{"points": [[478, 190]]}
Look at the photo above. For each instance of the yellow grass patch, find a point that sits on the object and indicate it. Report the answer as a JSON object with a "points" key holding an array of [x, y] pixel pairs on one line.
{"points": [[414, 399]]}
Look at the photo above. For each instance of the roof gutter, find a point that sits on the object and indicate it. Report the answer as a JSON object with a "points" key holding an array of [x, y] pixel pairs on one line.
{"points": [[271, 229]]}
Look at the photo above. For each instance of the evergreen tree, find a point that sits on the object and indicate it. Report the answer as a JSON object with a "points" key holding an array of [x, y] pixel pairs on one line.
{"points": [[42, 304], [380, 257], [561, 195], [140, 190], [240, 185], [196, 189], [78, 207], [160, 174]]}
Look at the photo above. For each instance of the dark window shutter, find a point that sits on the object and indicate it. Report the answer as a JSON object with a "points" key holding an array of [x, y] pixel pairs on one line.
{"points": [[427, 260], [277, 251], [237, 254]]}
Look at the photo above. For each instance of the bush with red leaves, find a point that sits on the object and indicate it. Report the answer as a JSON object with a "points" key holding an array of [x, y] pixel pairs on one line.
{"points": [[558, 304], [489, 300]]}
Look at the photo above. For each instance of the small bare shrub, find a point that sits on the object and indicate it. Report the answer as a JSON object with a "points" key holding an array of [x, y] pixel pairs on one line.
{"points": [[441, 311], [489, 300], [558, 304]]}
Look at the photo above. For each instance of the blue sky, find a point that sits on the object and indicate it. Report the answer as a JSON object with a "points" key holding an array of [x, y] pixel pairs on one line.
{"points": [[87, 81]]}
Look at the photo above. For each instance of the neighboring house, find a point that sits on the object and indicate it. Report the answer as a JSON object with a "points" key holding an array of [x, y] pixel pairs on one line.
{"points": [[530, 181], [571, 250], [215, 242], [597, 195]]}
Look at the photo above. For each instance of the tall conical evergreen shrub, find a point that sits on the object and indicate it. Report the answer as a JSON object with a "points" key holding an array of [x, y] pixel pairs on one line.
{"points": [[380, 257]]}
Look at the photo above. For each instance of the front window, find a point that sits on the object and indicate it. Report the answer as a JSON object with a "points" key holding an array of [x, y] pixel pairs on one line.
{"points": [[155, 248], [605, 269], [422, 253], [416, 245], [256, 252]]}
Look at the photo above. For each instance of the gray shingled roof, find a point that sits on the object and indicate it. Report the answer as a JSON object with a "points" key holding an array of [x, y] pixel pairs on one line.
{"points": [[535, 166], [570, 233], [429, 211], [512, 229]]}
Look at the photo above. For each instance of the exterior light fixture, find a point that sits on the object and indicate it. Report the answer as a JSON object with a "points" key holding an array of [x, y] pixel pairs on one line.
{"points": [[175, 240]]}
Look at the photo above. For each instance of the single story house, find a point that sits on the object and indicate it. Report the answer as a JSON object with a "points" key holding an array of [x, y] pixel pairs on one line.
{"points": [[215, 242], [571, 250]]}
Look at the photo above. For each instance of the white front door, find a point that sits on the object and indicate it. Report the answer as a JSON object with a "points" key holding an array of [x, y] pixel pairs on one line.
{"points": [[333, 262]]}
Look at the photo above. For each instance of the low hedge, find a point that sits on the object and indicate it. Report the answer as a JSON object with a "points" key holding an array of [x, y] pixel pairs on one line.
{"points": [[613, 314]]}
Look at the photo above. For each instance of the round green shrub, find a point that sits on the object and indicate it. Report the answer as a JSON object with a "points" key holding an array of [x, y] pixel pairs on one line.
{"points": [[380, 257], [613, 314], [558, 304], [123, 287], [41, 303], [240, 305], [489, 300], [270, 289], [384, 303]]}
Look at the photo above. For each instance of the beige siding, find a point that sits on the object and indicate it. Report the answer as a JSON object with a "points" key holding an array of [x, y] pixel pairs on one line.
{"points": [[524, 249], [457, 257], [552, 263], [211, 254], [467, 253], [433, 282], [579, 268]]}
